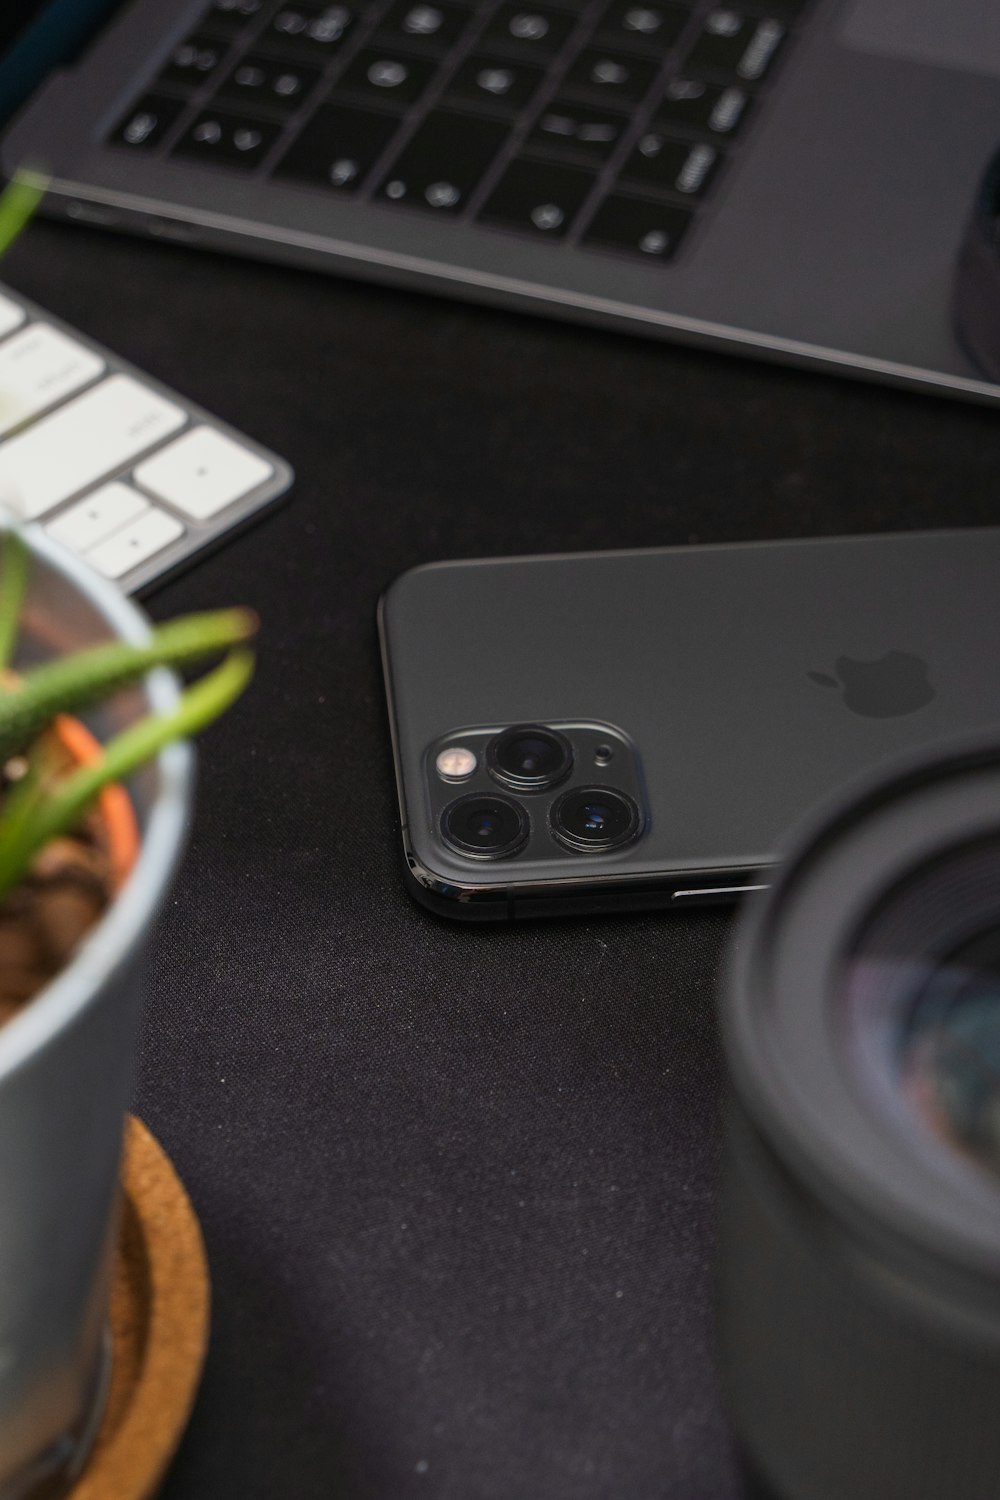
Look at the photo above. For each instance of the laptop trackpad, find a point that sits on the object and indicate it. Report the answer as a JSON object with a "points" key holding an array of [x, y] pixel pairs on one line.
{"points": [[949, 33]]}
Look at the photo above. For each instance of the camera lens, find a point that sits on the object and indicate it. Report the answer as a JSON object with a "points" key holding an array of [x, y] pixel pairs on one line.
{"points": [[592, 819], [859, 1261], [485, 827], [530, 758]]}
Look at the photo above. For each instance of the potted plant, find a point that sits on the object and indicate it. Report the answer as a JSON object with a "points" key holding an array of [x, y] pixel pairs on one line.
{"points": [[71, 644]]}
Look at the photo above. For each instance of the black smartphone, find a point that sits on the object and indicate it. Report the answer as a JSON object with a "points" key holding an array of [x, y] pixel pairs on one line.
{"points": [[628, 730]]}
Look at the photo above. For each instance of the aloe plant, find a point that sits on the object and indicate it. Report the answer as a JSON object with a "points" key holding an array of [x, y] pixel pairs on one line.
{"points": [[18, 202], [37, 807]]}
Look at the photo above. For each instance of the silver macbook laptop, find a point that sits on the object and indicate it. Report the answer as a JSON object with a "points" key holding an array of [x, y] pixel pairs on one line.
{"points": [[784, 177]]}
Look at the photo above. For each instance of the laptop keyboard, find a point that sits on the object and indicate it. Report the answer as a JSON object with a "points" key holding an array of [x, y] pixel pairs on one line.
{"points": [[118, 469], [604, 124]]}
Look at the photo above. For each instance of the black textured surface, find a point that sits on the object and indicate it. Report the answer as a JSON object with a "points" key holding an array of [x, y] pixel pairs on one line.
{"points": [[456, 1184]]}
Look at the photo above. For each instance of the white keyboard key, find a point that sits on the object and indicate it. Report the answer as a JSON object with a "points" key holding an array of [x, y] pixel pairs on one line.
{"points": [[10, 499], [97, 517], [81, 443], [140, 540], [11, 316], [38, 367], [202, 472]]}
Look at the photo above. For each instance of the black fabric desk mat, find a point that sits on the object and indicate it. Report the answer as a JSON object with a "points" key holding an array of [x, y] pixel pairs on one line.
{"points": [[456, 1185]]}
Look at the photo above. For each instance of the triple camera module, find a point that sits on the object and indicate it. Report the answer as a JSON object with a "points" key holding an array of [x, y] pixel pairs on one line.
{"points": [[586, 816]]}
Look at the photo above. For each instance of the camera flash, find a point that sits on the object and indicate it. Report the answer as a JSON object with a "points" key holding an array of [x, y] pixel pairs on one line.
{"points": [[456, 763]]}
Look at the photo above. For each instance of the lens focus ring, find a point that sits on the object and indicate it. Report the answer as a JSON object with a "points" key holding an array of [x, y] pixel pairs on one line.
{"points": [[484, 826], [529, 758]]}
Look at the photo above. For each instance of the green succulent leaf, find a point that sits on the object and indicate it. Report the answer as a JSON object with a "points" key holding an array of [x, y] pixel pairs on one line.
{"points": [[13, 585], [29, 820], [74, 682], [18, 202]]}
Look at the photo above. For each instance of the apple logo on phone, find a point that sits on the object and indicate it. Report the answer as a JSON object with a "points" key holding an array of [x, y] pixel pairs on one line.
{"points": [[889, 686]]}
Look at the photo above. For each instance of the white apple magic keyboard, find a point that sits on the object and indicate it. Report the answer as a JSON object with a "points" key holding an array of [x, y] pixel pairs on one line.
{"points": [[119, 469]]}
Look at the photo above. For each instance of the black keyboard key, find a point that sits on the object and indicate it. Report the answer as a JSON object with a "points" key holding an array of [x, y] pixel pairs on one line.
{"points": [[669, 165], [391, 78], [610, 76], [495, 83], [194, 60], [737, 45], [638, 227], [533, 30], [537, 198], [338, 147], [567, 128], [642, 28], [309, 33], [268, 81], [427, 27], [228, 17], [785, 10], [229, 140], [147, 122], [443, 162], [707, 108]]}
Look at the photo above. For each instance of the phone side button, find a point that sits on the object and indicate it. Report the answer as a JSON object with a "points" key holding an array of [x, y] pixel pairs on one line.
{"points": [[715, 892]]}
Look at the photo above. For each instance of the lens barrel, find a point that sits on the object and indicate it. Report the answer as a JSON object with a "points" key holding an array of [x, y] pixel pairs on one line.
{"points": [[859, 1252], [529, 758], [485, 826]]}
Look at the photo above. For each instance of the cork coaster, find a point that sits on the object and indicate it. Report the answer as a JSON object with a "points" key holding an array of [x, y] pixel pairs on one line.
{"points": [[159, 1328]]}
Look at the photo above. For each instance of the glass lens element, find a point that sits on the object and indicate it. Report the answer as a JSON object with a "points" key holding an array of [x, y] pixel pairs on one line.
{"points": [[484, 826], [593, 819], [950, 1051], [530, 757]]}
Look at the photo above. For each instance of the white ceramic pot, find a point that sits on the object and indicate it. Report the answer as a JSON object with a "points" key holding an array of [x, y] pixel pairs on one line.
{"points": [[65, 1076]]}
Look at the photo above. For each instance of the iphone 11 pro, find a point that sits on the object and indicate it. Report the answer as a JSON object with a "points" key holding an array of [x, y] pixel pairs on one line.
{"points": [[630, 730]]}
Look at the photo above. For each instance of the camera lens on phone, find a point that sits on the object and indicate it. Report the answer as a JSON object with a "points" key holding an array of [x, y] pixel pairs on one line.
{"points": [[592, 819], [485, 827], [530, 758]]}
